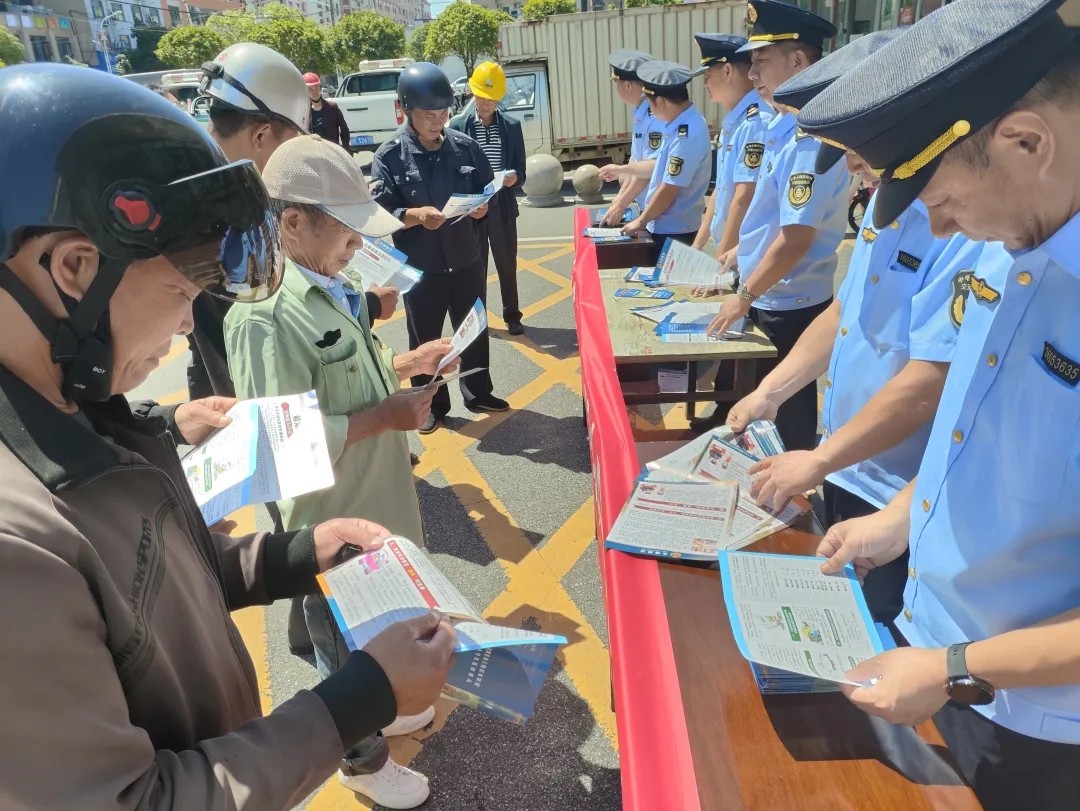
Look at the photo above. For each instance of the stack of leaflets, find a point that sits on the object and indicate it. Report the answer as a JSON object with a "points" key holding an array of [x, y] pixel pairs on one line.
{"points": [[602, 236], [638, 292], [696, 501], [497, 670], [650, 277], [633, 211], [681, 264], [802, 630], [379, 264], [274, 448], [683, 321]]}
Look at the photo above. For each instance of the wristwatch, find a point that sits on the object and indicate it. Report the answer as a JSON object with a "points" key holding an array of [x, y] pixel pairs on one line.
{"points": [[744, 293], [962, 687]]}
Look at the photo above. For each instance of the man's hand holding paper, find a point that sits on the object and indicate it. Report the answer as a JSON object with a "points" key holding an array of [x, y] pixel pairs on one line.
{"points": [[778, 479]]}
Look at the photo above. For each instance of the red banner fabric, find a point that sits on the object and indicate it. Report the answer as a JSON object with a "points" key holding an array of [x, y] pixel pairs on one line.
{"points": [[654, 751]]}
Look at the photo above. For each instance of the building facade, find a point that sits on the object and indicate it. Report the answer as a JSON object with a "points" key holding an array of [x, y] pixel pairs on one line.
{"points": [[49, 34]]}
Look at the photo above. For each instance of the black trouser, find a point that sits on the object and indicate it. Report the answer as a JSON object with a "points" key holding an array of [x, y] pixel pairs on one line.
{"points": [[1010, 771], [499, 232], [884, 586], [659, 240], [426, 307]]}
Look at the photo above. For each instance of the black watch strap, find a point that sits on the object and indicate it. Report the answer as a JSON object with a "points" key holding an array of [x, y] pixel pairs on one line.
{"points": [[956, 661]]}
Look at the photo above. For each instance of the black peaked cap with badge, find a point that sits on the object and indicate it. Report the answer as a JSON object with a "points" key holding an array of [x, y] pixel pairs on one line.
{"points": [[773, 21], [719, 48], [662, 79], [625, 63], [944, 79], [800, 90]]}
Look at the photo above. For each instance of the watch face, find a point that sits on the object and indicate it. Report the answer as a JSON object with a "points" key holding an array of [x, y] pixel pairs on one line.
{"points": [[970, 692]]}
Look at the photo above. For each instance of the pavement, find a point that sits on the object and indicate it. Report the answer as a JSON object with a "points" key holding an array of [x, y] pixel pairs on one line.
{"points": [[507, 506]]}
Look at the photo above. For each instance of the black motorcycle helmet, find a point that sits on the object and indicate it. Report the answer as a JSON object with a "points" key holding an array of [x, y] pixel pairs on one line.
{"points": [[94, 153], [424, 86]]}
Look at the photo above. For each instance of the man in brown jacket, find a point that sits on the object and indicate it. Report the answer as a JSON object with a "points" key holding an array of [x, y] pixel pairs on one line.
{"points": [[126, 684]]}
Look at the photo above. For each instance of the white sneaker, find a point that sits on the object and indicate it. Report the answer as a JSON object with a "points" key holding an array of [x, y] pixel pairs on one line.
{"points": [[393, 786], [404, 724]]}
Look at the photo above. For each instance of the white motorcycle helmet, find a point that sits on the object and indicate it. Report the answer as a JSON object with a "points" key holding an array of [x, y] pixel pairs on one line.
{"points": [[255, 79]]}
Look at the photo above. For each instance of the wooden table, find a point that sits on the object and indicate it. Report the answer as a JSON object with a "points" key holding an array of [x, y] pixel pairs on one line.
{"points": [[640, 250], [804, 752], [638, 351]]}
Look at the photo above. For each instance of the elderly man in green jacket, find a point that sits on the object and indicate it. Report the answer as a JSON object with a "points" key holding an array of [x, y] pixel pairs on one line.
{"points": [[315, 334]]}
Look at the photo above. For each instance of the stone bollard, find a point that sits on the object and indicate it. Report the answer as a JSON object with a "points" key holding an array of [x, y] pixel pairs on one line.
{"points": [[543, 181], [587, 184]]}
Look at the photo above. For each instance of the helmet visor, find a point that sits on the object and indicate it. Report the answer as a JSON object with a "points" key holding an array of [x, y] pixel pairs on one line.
{"points": [[219, 232]]}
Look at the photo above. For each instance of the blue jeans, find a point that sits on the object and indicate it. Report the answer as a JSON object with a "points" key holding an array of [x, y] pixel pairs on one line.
{"points": [[371, 754]]}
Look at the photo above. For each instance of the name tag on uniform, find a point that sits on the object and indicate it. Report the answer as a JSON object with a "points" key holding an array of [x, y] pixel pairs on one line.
{"points": [[907, 261], [1062, 367]]}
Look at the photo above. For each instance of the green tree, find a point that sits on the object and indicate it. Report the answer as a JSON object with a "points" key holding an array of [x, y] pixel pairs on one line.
{"points": [[539, 9], [466, 31], [416, 47], [644, 3], [232, 26], [366, 35], [11, 49], [189, 46], [122, 65], [144, 57], [295, 37]]}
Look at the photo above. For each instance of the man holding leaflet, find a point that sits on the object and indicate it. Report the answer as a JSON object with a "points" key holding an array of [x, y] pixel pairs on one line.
{"points": [[890, 334], [988, 94], [315, 334], [741, 145], [127, 684], [648, 132], [413, 175], [786, 255], [680, 172]]}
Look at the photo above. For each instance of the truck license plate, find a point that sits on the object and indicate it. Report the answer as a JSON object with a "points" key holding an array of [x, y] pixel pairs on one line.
{"points": [[363, 140]]}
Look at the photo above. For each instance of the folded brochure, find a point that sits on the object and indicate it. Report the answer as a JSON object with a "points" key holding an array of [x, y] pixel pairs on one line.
{"points": [[377, 263], [497, 670], [274, 448]]}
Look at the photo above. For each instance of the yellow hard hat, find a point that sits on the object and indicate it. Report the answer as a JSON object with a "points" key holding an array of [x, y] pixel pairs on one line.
{"points": [[488, 81]]}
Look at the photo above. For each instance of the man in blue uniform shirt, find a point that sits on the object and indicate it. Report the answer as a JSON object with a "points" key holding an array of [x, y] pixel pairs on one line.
{"points": [[890, 333], [681, 170], [646, 136], [741, 145], [787, 245], [413, 175], [981, 126]]}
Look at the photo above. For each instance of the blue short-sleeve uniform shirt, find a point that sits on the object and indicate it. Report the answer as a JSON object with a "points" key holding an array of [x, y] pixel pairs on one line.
{"points": [[897, 305], [789, 193], [740, 152], [683, 161], [995, 519], [648, 134]]}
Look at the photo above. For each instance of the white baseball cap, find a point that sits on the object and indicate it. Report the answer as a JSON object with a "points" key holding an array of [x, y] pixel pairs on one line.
{"points": [[310, 170]]}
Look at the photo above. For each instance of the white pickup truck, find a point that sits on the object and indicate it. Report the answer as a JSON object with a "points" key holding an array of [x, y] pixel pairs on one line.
{"points": [[368, 100]]}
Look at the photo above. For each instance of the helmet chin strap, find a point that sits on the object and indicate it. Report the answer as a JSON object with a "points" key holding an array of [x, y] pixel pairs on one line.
{"points": [[82, 344]]}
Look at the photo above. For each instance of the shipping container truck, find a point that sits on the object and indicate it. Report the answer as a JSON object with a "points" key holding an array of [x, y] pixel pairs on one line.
{"points": [[559, 83]]}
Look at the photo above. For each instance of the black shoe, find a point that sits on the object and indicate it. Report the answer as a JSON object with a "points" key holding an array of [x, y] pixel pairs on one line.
{"points": [[515, 328], [710, 421], [414, 460], [487, 402], [430, 425]]}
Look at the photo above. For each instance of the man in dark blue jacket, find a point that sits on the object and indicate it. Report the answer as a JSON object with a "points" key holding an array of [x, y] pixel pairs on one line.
{"points": [[501, 139], [413, 175]]}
